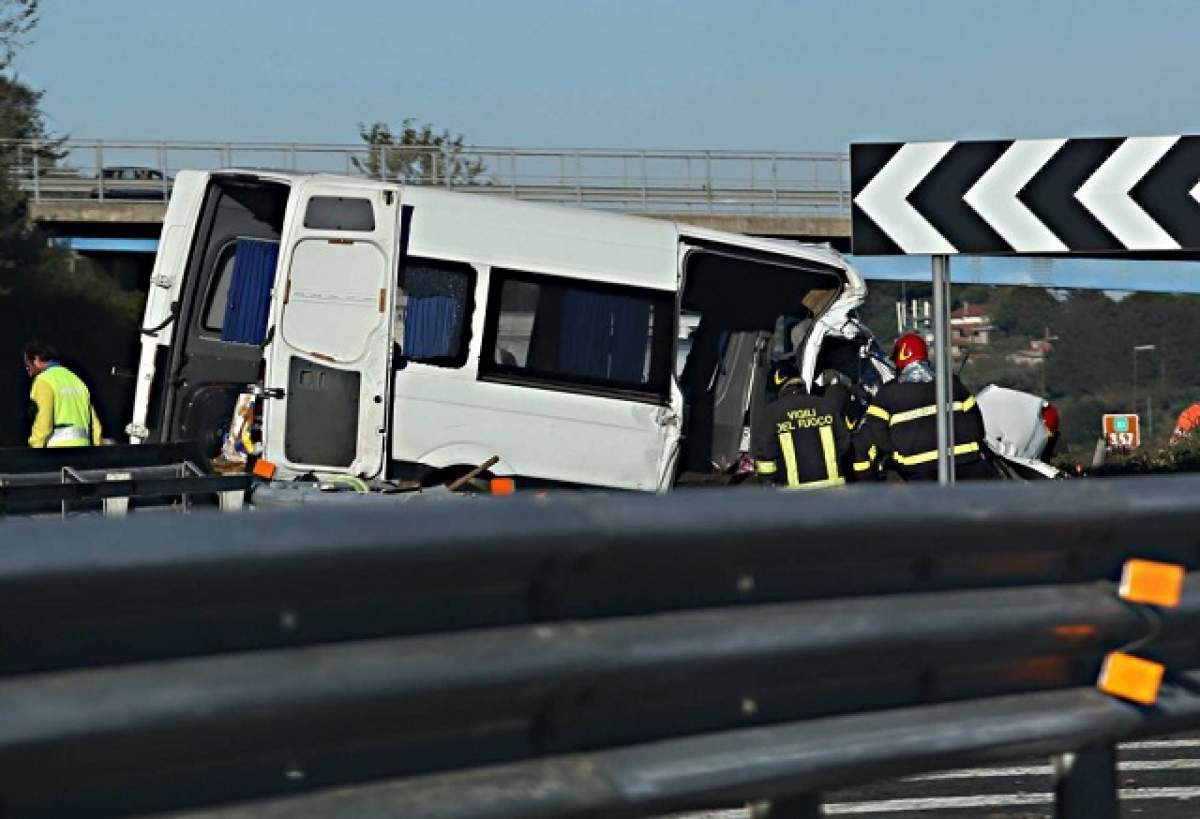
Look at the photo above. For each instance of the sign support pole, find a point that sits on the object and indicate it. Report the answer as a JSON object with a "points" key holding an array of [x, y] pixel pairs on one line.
{"points": [[943, 375]]}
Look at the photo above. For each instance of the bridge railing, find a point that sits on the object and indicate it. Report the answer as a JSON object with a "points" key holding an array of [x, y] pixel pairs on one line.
{"points": [[584, 655], [753, 182]]}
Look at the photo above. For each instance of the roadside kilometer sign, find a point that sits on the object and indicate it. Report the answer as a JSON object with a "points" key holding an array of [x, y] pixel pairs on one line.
{"points": [[1030, 196], [1122, 431]]}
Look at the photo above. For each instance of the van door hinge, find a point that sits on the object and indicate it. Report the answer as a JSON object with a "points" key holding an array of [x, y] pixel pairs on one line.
{"points": [[666, 417], [259, 391], [163, 281]]}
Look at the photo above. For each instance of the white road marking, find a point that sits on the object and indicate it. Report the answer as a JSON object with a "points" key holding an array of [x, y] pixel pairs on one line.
{"points": [[1000, 800], [1160, 744], [1046, 770]]}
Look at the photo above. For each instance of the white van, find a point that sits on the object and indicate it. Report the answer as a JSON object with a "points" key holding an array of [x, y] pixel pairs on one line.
{"points": [[409, 333]]}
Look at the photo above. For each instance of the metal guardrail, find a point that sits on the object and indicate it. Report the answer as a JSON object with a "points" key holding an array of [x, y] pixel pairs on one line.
{"points": [[580, 655], [754, 182], [105, 479]]}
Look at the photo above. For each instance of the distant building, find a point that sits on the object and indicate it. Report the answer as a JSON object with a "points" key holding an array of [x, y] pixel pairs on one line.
{"points": [[970, 329], [1034, 355]]}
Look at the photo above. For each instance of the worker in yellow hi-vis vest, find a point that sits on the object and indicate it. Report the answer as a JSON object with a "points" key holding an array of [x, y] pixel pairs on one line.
{"points": [[64, 413]]}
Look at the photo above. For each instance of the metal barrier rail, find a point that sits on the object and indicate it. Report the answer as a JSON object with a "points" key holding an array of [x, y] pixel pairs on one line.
{"points": [[577, 655], [771, 182]]}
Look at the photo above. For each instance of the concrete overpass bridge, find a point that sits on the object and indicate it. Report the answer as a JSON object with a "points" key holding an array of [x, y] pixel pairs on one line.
{"points": [[109, 196]]}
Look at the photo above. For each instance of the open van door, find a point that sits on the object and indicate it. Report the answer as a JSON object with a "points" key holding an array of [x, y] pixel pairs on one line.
{"points": [[329, 356]]}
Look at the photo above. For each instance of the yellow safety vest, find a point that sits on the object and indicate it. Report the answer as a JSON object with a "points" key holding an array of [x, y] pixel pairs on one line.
{"points": [[72, 408]]}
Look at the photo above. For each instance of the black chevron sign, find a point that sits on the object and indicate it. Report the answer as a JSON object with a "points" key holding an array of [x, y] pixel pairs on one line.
{"points": [[1027, 196]]}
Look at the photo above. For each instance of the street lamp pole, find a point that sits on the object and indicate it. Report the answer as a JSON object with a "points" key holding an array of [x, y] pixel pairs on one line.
{"points": [[1140, 348]]}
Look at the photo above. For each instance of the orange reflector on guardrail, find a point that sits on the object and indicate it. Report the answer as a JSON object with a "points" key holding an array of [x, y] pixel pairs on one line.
{"points": [[1147, 581], [503, 486], [264, 469], [1130, 678]]}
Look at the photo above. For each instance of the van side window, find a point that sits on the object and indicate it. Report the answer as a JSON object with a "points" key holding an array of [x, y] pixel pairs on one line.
{"points": [[339, 213], [566, 332], [239, 297], [218, 295], [433, 311]]}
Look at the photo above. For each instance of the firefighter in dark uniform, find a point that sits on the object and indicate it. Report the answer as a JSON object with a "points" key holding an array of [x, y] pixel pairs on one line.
{"points": [[803, 441], [899, 431]]}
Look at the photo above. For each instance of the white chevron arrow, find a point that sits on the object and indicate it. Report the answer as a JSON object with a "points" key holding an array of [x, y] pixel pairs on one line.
{"points": [[1106, 194], [994, 196], [885, 198]]}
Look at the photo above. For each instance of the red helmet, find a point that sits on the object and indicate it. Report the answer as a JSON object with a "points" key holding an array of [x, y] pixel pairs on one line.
{"points": [[1050, 418], [909, 348]]}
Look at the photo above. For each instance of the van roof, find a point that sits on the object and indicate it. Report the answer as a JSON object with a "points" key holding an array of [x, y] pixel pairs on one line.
{"points": [[554, 238]]}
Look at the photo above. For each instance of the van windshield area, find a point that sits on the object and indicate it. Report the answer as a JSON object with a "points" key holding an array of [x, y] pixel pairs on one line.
{"points": [[740, 299]]}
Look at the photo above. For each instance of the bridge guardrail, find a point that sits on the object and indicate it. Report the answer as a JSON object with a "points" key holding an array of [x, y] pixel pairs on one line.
{"points": [[580, 655], [717, 182]]}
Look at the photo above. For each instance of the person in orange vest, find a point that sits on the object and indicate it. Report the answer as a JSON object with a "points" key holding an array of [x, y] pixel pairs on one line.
{"points": [[64, 415], [1189, 422]]}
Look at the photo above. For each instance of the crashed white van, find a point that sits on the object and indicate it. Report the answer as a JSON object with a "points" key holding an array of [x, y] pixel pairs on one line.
{"points": [[404, 332], [407, 333]]}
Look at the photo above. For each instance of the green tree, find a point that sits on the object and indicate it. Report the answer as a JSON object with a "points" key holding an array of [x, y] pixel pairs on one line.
{"points": [[1023, 311], [417, 155], [17, 19], [46, 292]]}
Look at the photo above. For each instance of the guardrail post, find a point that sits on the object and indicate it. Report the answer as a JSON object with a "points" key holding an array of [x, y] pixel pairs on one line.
{"points": [[162, 168], [37, 172], [708, 179], [843, 186], [1085, 784], [801, 806], [753, 181], [100, 171], [775, 180], [645, 181], [446, 166], [578, 179]]}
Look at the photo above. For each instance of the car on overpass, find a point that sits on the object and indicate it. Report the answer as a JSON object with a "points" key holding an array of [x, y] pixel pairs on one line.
{"points": [[131, 182]]}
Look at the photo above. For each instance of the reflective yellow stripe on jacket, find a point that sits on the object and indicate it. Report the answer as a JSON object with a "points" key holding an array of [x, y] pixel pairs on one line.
{"points": [[931, 455], [872, 455], [925, 412], [833, 476], [820, 484]]}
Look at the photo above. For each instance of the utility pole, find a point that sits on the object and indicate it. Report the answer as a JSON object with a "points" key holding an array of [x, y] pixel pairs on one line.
{"points": [[1140, 348]]}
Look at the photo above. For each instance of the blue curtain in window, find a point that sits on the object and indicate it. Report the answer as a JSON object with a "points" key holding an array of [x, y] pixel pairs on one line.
{"points": [[249, 304], [631, 336], [430, 323], [604, 336], [434, 316]]}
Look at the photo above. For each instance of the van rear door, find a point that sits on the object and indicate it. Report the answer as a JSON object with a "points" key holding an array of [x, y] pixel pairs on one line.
{"points": [[162, 300], [331, 350]]}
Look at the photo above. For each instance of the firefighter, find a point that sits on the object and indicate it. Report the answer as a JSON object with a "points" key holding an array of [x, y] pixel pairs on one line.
{"points": [[803, 441], [64, 416], [899, 430]]}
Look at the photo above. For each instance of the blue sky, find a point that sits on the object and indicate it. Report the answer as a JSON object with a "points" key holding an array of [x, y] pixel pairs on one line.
{"points": [[794, 75], [810, 75]]}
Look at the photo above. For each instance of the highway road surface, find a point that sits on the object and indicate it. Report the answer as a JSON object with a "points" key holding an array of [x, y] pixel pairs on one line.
{"points": [[1159, 779]]}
